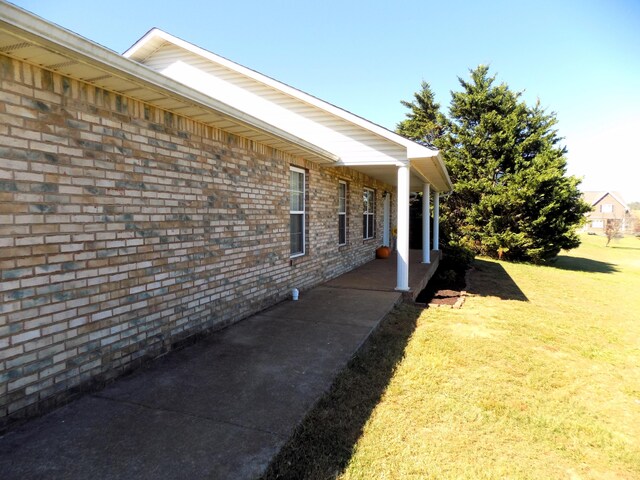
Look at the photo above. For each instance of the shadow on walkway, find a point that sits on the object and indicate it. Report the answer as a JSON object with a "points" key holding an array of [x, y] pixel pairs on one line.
{"points": [[580, 264], [490, 279], [323, 444]]}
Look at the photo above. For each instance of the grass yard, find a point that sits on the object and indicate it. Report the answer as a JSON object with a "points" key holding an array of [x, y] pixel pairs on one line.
{"points": [[537, 376]]}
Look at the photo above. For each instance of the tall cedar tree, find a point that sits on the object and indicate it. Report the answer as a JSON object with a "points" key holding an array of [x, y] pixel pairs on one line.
{"points": [[511, 194]]}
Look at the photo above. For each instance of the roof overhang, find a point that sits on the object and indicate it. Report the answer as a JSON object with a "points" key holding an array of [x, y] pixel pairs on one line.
{"points": [[29, 38], [615, 196], [426, 163], [433, 171]]}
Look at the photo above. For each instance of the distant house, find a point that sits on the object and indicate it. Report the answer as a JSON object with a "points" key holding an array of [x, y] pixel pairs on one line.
{"points": [[150, 197], [607, 208]]}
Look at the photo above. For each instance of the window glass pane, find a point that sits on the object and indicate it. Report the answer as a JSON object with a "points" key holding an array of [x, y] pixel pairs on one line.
{"points": [[296, 181], [364, 226], [342, 197], [342, 229], [607, 208], [370, 225], [368, 199], [296, 205], [297, 201], [297, 233], [297, 191]]}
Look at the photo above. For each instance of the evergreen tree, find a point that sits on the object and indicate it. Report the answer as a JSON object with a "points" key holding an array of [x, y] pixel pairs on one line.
{"points": [[511, 194], [424, 123]]}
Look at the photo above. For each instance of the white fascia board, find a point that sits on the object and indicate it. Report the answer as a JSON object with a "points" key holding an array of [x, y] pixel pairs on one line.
{"points": [[414, 150], [438, 162], [156, 37], [64, 42]]}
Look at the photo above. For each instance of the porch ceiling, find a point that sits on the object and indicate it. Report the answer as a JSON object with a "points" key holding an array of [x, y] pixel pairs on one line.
{"points": [[423, 170]]}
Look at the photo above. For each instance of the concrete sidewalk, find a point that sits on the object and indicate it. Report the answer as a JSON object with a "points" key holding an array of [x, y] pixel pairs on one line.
{"points": [[220, 409]]}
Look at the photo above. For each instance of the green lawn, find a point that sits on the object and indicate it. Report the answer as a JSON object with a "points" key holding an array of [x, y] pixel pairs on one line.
{"points": [[537, 376], [547, 387]]}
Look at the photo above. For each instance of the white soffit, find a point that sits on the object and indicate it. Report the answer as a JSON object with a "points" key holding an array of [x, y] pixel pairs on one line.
{"points": [[358, 142], [31, 39]]}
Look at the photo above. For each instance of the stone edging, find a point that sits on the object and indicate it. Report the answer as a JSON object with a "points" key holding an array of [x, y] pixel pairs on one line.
{"points": [[463, 295]]}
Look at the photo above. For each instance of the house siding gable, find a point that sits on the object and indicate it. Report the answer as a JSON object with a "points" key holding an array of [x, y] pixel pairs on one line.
{"points": [[597, 219]]}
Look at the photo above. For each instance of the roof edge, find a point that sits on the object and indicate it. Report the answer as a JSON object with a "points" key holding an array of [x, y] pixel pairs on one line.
{"points": [[604, 194], [414, 149], [66, 42]]}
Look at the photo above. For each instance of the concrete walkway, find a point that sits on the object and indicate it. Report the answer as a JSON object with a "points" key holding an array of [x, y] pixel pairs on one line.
{"points": [[381, 275], [220, 409]]}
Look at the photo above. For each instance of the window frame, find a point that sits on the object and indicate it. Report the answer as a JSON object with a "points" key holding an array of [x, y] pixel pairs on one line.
{"points": [[302, 212], [366, 234], [606, 208], [342, 184]]}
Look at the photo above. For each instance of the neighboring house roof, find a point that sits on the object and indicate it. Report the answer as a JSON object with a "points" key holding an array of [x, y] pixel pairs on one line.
{"points": [[594, 197], [246, 103]]}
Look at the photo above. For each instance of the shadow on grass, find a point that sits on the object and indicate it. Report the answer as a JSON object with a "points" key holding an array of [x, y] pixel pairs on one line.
{"points": [[322, 445], [580, 264], [624, 248], [490, 279]]}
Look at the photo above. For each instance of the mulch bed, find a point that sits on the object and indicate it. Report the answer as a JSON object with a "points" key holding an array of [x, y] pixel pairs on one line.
{"points": [[445, 297], [444, 292]]}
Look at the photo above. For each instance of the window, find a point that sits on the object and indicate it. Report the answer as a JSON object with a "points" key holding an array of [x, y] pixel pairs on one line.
{"points": [[597, 224], [606, 208], [342, 213], [368, 217], [296, 211]]}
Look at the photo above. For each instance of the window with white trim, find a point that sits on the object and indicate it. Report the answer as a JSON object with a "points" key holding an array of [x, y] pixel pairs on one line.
{"points": [[597, 224], [296, 210], [606, 208], [368, 216], [342, 213]]}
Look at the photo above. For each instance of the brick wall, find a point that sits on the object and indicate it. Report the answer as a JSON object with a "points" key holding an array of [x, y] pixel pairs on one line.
{"points": [[125, 229]]}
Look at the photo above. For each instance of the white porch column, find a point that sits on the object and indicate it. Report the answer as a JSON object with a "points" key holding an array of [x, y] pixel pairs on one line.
{"points": [[426, 221], [403, 228], [436, 221], [386, 220]]}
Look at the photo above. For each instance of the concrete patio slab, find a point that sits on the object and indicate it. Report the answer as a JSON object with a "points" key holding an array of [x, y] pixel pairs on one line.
{"points": [[96, 438], [381, 274], [355, 307], [263, 375], [221, 408]]}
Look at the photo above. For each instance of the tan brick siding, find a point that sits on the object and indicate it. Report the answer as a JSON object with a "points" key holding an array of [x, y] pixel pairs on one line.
{"points": [[125, 229]]}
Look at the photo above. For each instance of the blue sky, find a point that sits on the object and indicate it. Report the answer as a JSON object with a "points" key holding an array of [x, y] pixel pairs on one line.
{"points": [[580, 58]]}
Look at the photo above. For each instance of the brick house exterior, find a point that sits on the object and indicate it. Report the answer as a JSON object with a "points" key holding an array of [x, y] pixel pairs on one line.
{"points": [[607, 208], [127, 228]]}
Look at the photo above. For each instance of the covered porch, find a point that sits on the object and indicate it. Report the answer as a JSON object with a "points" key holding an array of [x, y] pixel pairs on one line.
{"points": [[380, 275], [427, 176]]}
